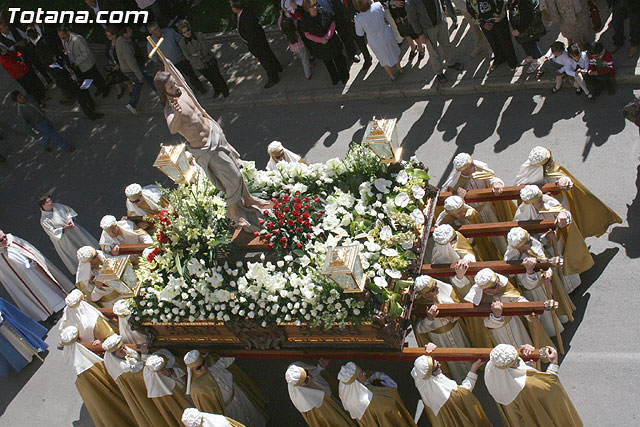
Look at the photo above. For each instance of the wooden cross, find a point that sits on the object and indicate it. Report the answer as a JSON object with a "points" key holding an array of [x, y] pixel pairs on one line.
{"points": [[156, 48]]}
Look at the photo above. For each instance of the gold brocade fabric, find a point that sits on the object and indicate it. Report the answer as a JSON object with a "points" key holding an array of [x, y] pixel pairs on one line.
{"points": [[482, 246], [478, 333], [132, 386], [559, 292], [102, 330], [504, 209], [542, 402], [234, 423], [172, 406], [329, 414], [577, 258], [103, 398], [205, 393], [462, 245], [386, 410], [590, 214], [462, 409]]}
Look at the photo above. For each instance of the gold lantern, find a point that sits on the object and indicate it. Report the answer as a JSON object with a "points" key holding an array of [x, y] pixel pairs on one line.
{"points": [[174, 162], [344, 266], [381, 137], [118, 274]]}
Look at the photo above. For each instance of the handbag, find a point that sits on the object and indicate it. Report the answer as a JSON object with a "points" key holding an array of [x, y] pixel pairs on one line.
{"points": [[631, 112], [595, 16]]}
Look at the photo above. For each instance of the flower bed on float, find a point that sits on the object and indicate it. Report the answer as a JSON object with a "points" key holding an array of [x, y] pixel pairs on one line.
{"points": [[196, 276]]}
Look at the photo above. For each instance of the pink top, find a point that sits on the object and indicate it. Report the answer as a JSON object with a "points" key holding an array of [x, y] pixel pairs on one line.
{"points": [[330, 33]]}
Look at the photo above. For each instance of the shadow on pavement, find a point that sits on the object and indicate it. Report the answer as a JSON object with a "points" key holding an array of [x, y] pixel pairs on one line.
{"points": [[627, 236]]}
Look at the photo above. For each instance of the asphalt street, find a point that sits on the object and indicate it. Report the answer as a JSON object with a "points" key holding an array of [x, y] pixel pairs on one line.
{"points": [[591, 139]]}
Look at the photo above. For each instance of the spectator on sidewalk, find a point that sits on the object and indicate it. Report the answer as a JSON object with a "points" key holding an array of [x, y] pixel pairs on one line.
{"points": [[371, 21], [40, 51], [574, 19], [171, 50], [428, 20], [491, 16], [131, 66], [34, 118], [153, 7], [14, 64], [399, 15], [320, 28], [18, 41], [115, 77], [621, 10], [581, 59], [253, 35], [194, 47], [481, 43], [602, 71], [296, 46], [525, 17], [344, 12], [64, 80], [558, 62], [80, 56]]}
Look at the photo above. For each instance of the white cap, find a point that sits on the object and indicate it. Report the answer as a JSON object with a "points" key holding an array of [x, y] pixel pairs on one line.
{"points": [[155, 363], [461, 161], [503, 356], [274, 147], [112, 343], [529, 193], [85, 254], [192, 417], [74, 298], [69, 334], [132, 190], [484, 277], [517, 236], [539, 155], [295, 375], [443, 234], [453, 203], [191, 357], [122, 308], [422, 282], [423, 366], [107, 222], [347, 372]]}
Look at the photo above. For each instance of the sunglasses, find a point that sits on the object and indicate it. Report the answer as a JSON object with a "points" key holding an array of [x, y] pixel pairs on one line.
{"points": [[313, 5], [137, 200]]}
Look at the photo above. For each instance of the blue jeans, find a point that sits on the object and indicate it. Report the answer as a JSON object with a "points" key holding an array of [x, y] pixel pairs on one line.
{"points": [[45, 127], [137, 86]]}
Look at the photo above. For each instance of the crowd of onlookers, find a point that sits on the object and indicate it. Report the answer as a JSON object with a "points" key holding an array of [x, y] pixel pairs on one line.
{"points": [[335, 32]]}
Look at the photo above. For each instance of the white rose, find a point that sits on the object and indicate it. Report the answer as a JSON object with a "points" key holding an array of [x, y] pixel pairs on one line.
{"points": [[280, 263], [403, 177], [402, 200], [382, 185], [380, 282], [406, 245], [385, 233], [418, 216], [418, 192], [389, 252], [288, 258], [393, 273]]}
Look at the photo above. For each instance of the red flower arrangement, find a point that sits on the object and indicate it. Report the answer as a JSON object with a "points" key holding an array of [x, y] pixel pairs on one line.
{"points": [[289, 224], [161, 222]]}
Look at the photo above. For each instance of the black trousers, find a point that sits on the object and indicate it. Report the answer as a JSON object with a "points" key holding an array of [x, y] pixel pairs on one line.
{"points": [[33, 85], [98, 80], [337, 68], [212, 73], [499, 38], [347, 33], [186, 70], [597, 83], [267, 59]]}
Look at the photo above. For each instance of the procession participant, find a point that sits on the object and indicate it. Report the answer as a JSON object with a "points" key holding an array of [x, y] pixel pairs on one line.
{"points": [[277, 154], [469, 174], [122, 309], [116, 233], [448, 404], [92, 325], [526, 396], [125, 367], [590, 214], [35, 285], [311, 395], [527, 249], [192, 417], [165, 386], [370, 405], [537, 206], [90, 262], [57, 220], [98, 391], [202, 387], [443, 331], [242, 399], [209, 146], [495, 288], [457, 213], [144, 201]]}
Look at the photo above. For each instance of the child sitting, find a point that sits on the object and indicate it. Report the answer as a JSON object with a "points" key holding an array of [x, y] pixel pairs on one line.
{"points": [[296, 46], [581, 58], [602, 72], [557, 61]]}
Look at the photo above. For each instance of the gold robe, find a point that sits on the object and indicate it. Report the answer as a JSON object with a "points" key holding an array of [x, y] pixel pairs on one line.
{"points": [[504, 209], [171, 406], [329, 414], [577, 258], [484, 247], [590, 214], [462, 409], [132, 386], [102, 329], [542, 402], [205, 393], [386, 410], [103, 398]]}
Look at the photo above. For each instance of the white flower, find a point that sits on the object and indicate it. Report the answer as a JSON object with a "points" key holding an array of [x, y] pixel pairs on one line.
{"points": [[393, 273], [418, 192], [380, 282], [304, 261], [402, 200], [403, 177], [360, 209], [389, 252], [382, 185], [406, 245], [372, 246], [288, 258], [385, 233], [418, 216]]}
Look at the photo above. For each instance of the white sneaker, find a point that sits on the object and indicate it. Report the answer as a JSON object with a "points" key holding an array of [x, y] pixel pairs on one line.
{"points": [[133, 110]]}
